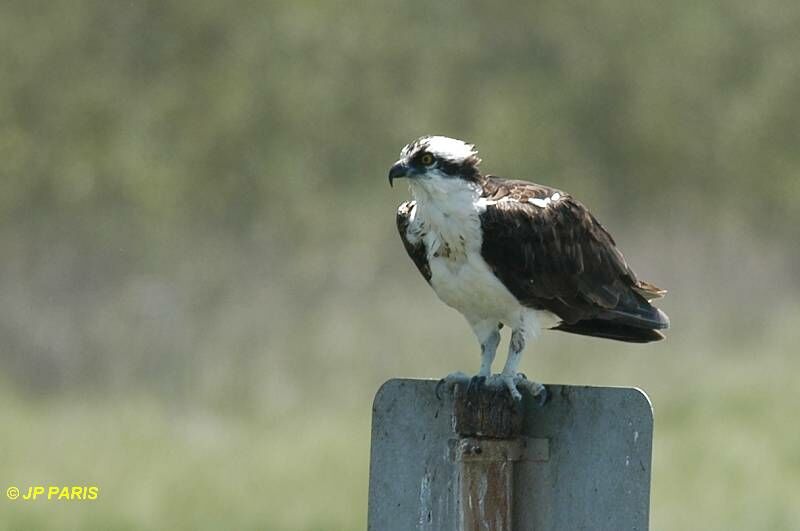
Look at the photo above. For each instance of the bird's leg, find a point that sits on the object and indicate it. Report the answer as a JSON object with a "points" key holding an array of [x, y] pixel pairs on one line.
{"points": [[488, 334], [512, 379]]}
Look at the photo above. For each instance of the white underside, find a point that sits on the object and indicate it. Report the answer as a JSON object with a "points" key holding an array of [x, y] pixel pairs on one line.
{"points": [[447, 218], [468, 285]]}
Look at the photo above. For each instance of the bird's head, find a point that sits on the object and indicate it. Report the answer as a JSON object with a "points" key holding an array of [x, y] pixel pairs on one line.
{"points": [[437, 162]]}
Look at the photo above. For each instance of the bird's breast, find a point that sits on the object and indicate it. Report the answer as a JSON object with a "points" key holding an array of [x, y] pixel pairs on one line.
{"points": [[467, 284], [459, 275]]}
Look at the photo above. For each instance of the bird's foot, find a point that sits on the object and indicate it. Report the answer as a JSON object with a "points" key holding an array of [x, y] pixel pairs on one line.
{"points": [[513, 382], [516, 382], [455, 378]]}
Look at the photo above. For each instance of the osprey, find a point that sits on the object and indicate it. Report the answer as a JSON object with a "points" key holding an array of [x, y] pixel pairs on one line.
{"points": [[515, 253]]}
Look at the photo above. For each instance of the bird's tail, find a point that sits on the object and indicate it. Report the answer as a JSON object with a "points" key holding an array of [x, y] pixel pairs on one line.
{"points": [[634, 323], [611, 330]]}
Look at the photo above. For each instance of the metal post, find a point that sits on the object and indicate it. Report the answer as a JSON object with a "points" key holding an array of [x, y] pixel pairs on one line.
{"points": [[488, 423], [486, 482]]}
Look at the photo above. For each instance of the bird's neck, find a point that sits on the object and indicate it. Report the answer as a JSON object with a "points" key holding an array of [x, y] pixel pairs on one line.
{"points": [[449, 196], [447, 212]]}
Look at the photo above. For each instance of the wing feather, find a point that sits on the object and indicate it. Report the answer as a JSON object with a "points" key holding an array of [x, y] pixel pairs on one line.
{"points": [[416, 250], [552, 254]]}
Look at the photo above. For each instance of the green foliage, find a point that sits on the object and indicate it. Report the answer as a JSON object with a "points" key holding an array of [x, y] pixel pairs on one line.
{"points": [[202, 112]]}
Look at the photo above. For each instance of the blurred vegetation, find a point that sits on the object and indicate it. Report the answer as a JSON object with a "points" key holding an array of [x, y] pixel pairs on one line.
{"points": [[202, 286]]}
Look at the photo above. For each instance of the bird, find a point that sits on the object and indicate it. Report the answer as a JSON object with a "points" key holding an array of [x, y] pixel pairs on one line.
{"points": [[514, 253]]}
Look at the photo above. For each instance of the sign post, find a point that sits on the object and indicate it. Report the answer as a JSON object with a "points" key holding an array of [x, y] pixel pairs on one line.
{"points": [[475, 460]]}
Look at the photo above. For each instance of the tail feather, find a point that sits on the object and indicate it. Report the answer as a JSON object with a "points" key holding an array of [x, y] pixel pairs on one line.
{"points": [[642, 316], [649, 291], [636, 322], [611, 330]]}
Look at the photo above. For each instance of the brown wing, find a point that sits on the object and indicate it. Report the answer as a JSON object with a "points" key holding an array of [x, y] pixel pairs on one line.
{"points": [[552, 254], [416, 250]]}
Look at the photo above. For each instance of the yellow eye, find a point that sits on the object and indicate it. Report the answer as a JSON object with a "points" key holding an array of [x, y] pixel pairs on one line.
{"points": [[426, 159]]}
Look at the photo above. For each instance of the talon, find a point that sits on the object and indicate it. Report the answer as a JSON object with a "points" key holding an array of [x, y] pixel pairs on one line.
{"points": [[475, 383], [512, 387], [537, 391], [438, 391], [541, 399], [450, 381]]}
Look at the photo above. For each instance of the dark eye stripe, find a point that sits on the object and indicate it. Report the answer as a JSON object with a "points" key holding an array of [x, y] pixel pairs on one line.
{"points": [[466, 168]]}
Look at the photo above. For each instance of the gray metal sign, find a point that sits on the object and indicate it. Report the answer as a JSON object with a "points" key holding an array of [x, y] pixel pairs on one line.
{"points": [[581, 462]]}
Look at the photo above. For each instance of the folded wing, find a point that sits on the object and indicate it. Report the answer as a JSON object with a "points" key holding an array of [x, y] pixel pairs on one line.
{"points": [[552, 254], [416, 248]]}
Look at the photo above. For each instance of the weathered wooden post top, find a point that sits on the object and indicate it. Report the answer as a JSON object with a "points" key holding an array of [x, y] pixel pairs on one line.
{"points": [[476, 460]]}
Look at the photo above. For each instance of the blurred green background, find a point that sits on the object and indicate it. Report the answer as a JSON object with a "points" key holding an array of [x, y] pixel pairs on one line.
{"points": [[201, 285]]}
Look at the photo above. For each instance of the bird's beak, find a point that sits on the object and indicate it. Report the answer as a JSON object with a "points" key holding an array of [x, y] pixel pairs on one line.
{"points": [[398, 171]]}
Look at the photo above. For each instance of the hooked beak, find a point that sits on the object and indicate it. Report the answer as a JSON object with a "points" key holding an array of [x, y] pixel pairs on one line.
{"points": [[398, 171]]}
